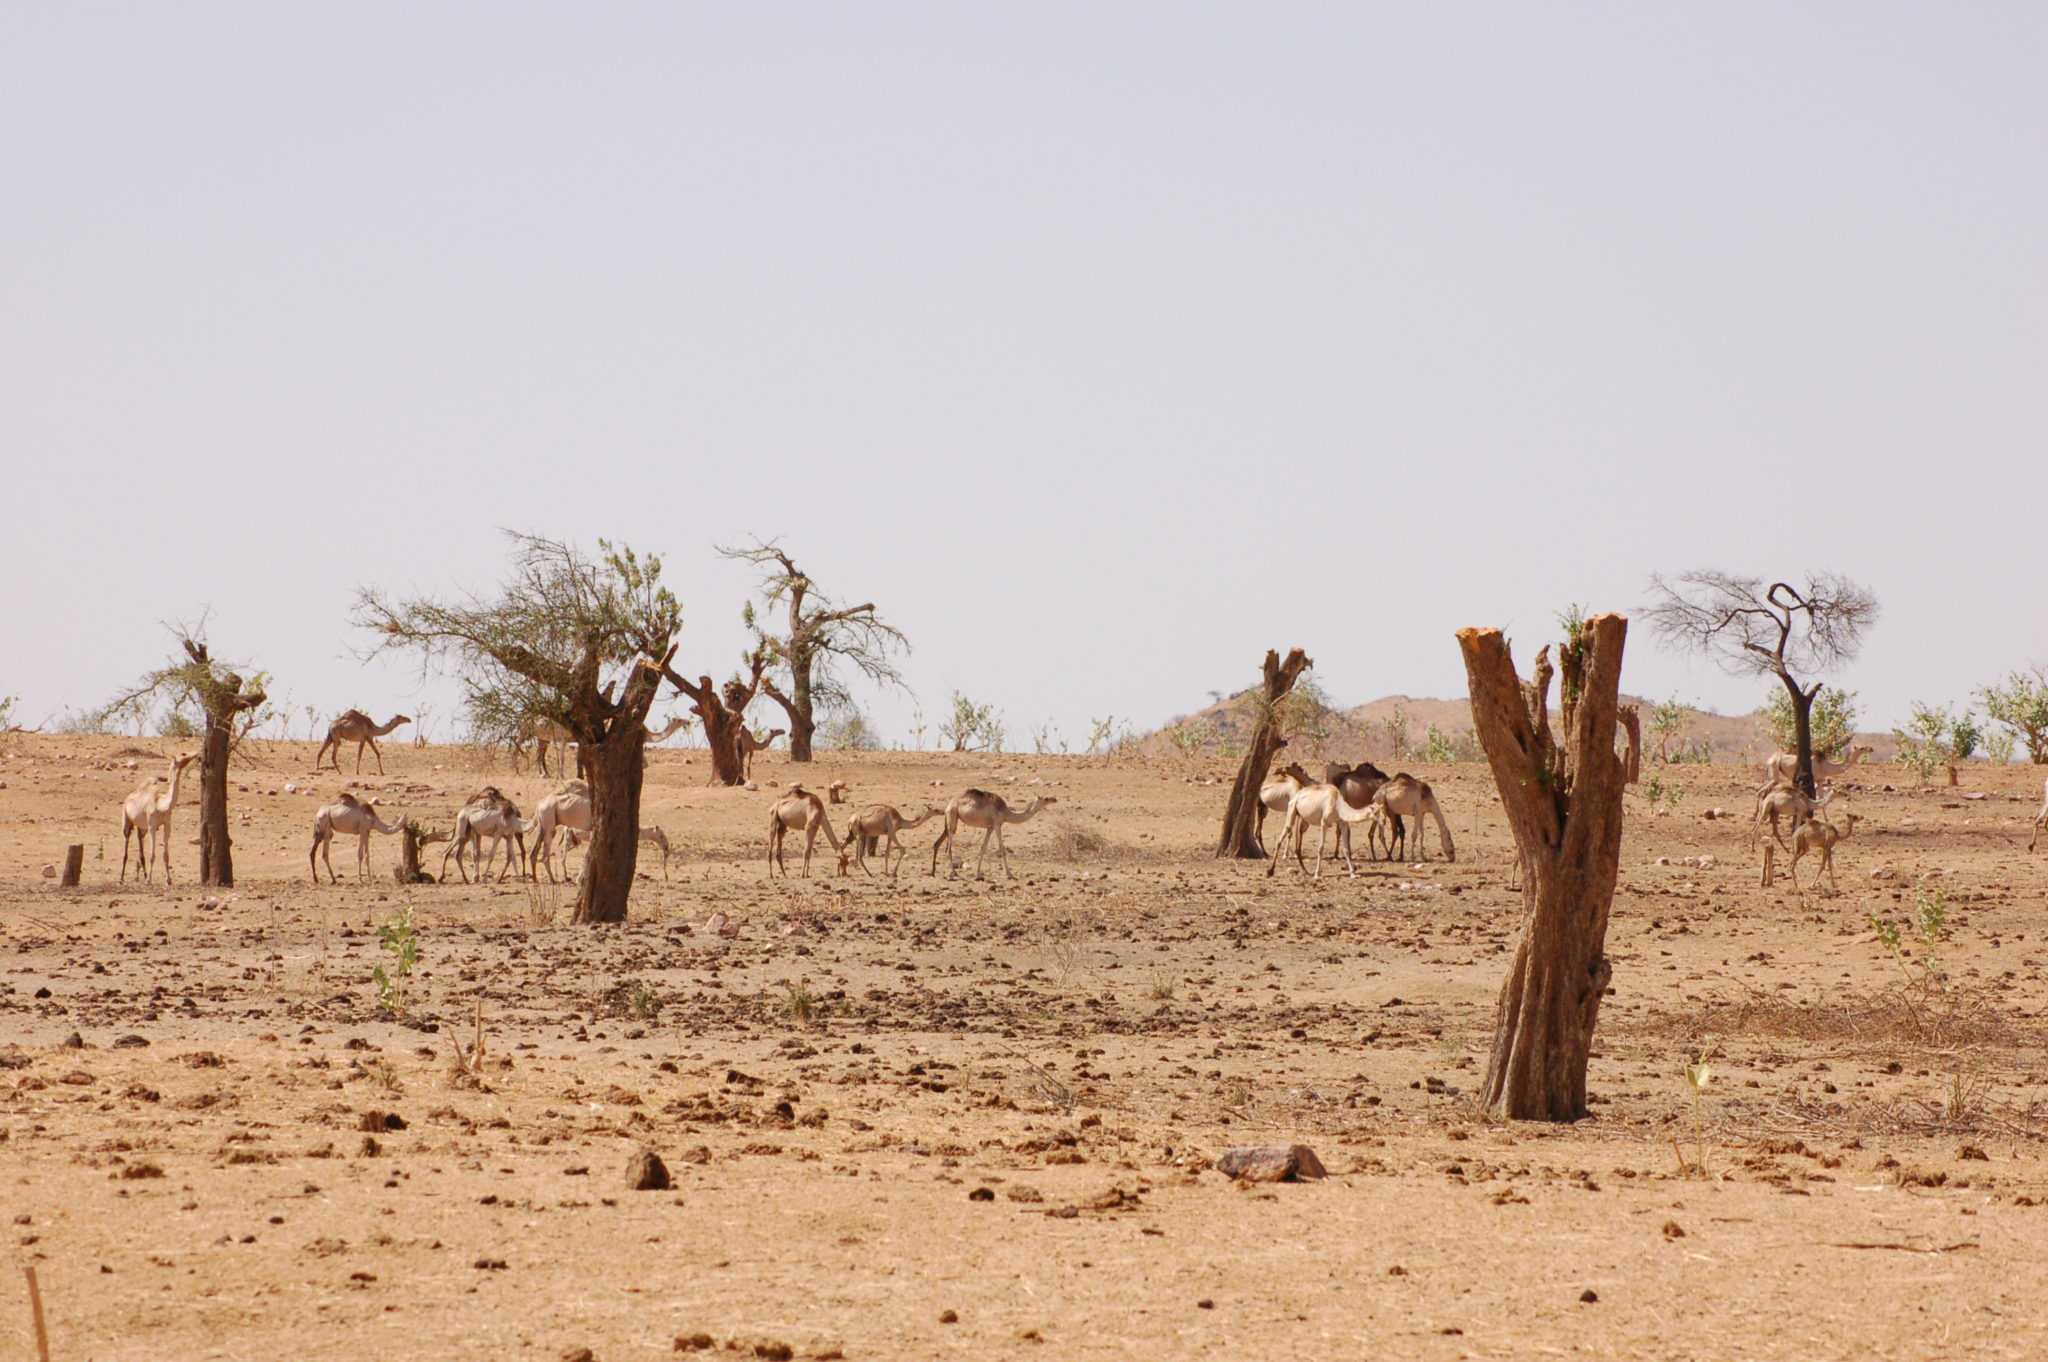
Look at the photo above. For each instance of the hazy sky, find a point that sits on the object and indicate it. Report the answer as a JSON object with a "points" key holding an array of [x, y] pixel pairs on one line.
{"points": [[1105, 345]]}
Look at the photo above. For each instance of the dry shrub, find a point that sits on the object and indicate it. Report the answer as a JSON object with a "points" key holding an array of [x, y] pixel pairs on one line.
{"points": [[1888, 1017], [1068, 841]]}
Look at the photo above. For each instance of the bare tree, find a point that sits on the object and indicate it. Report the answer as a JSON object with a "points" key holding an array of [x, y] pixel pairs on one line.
{"points": [[1754, 629], [1239, 840], [232, 705], [1563, 802], [571, 640], [816, 632], [723, 712]]}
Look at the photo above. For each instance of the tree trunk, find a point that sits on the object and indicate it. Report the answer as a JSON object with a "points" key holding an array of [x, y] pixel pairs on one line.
{"points": [[616, 767], [1240, 820], [409, 869], [1564, 806], [216, 856], [1802, 734]]}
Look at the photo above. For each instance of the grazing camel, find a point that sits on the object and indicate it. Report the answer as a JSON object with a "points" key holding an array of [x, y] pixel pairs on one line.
{"points": [[989, 812], [1784, 767], [1816, 834], [360, 729], [652, 836], [872, 823], [1276, 794], [1358, 784], [566, 809], [487, 814], [2041, 818], [1405, 796], [147, 813], [798, 811], [347, 814], [749, 745], [1323, 807]]}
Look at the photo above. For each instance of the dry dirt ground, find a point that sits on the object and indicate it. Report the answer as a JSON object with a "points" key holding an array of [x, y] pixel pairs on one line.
{"points": [[992, 1138]]}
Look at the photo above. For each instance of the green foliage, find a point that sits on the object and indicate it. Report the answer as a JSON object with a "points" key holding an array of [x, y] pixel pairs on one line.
{"points": [[1438, 745], [798, 1004], [1833, 720], [7, 704], [642, 1002], [1655, 791], [973, 726], [1928, 741], [399, 937], [1999, 745], [1669, 722], [1964, 735], [2020, 705], [1188, 736], [1099, 733], [1922, 970], [1394, 728], [176, 723]]}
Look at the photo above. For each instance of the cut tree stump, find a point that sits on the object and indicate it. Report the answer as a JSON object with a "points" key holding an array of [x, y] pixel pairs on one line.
{"points": [[74, 866]]}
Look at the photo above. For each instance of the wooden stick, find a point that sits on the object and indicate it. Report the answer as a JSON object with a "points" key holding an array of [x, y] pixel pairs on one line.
{"points": [[35, 1305], [74, 864]]}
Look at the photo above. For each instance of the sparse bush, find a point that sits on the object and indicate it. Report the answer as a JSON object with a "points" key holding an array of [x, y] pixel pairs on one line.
{"points": [[1833, 720], [1654, 792], [848, 730], [398, 937], [1927, 743], [1438, 745], [1394, 727], [2020, 705], [798, 1004], [641, 1002], [7, 704], [1669, 722], [1188, 736], [971, 726]]}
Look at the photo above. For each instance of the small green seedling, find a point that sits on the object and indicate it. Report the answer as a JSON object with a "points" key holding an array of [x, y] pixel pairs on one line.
{"points": [[398, 937]]}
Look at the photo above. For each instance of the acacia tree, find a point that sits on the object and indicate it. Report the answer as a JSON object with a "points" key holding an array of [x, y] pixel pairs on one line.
{"points": [[564, 640], [1564, 806], [816, 632], [1239, 840], [1780, 630], [232, 706]]}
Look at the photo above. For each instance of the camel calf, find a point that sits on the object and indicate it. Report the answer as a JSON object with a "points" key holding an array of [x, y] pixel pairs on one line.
{"points": [[1818, 835]]}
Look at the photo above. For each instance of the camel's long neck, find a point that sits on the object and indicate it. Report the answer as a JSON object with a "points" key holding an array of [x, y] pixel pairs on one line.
{"points": [[177, 778], [920, 820], [1012, 816]]}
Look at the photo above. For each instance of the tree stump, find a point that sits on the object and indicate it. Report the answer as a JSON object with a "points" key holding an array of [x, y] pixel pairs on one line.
{"points": [[1564, 805], [1240, 820], [74, 866]]}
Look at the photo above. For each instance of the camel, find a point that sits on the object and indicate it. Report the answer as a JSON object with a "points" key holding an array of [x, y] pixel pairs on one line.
{"points": [[2041, 818], [1403, 796], [347, 814], [541, 733], [674, 726], [873, 822], [360, 729], [1276, 794], [749, 745], [147, 814], [1784, 767], [1323, 807], [1775, 802], [567, 808], [1358, 784], [487, 814], [652, 836], [798, 811], [1816, 834], [989, 812]]}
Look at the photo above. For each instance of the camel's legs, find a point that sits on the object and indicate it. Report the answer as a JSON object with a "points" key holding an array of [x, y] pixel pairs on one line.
{"points": [[982, 859]]}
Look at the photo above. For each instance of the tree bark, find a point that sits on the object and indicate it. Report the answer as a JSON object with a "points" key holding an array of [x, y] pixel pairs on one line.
{"points": [[802, 712], [222, 697], [1240, 818], [1564, 806], [409, 869], [1802, 733], [722, 712], [614, 744]]}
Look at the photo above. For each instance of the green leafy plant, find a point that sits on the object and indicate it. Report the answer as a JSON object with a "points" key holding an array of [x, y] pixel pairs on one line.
{"points": [[400, 938], [2020, 705], [1188, 736], [642, 1003], [1394, 727], [798, 1004], [1654, 791], [1833, 720], [1926, 743], [1918, 958], [1669, 722]]}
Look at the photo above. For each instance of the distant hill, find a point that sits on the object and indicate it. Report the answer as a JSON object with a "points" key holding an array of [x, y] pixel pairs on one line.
{"points": [[1367, 732]]}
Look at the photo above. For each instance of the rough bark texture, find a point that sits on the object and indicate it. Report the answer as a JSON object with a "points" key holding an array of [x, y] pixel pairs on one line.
{"points": [[1240, 820], [409, 869], [613, 740], [1564, 805], [1802, 731], [222, 697], [722, 711]]}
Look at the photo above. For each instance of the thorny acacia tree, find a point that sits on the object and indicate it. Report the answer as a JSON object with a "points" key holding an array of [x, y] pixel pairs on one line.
{"points": [[1564, 805], [232, 705], [816, 632], [562, 641], [1278, 677], [1754, 629]]}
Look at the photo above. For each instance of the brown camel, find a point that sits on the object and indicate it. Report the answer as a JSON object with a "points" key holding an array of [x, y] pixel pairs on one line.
{"points": [[360, 729], [147, 813], [1405, 796], [989, 812], [873, 822], [749, 745], [798, 811], [1359, 784]]}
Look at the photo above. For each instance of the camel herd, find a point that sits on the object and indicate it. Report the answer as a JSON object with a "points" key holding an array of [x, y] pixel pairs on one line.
{"points": [[1346, 796]]}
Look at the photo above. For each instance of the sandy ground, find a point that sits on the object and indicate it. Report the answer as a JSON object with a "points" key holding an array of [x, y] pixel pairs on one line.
{"points": [[992, 1137]]}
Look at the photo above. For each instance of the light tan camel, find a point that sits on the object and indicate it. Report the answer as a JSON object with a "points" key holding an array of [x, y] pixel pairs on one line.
{"points": [[1782, 768], [749, 745], [542, 733], [2041, 818], [1403, 796], [487, 814], [1322, 807], [360, 729], [1276, 794], [1787, 803], [147, 814], [989, 812], [1816, 834], [876, 821], [663, 734], [798, 811], [566, 809], [1358, 784], [653, 836], [346, 814]]}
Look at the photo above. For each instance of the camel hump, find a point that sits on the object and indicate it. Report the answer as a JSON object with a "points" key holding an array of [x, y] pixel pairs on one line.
{"points": [[977, 794], [346, 798], [348, 714]]}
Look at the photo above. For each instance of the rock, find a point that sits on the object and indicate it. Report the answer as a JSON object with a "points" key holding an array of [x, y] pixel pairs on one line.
{"points": [[1708, 862], [50, 872], [290, 788], [579, 1355], [645, 1172], [752, 785], [74, 1041], [1271, 1163], [131, 1042]]}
